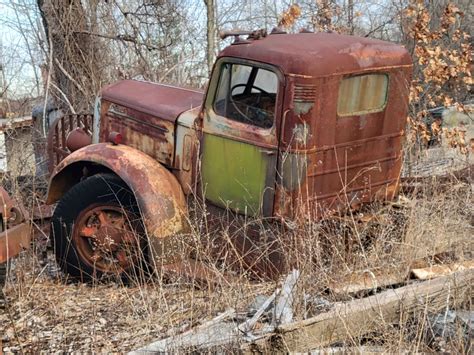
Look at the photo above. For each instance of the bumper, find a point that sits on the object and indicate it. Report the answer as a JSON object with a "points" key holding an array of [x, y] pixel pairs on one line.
{"points": [[14, 240]]}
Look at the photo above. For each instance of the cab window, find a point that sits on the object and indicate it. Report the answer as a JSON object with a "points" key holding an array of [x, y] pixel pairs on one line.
{"points": [[246, 94], [362, 94]]}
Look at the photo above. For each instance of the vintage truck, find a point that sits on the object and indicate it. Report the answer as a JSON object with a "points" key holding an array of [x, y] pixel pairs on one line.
{"points": [[292, 127]]}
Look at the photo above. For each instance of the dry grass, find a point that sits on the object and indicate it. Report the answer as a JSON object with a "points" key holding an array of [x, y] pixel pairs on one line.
{"points": [[45, 312]]}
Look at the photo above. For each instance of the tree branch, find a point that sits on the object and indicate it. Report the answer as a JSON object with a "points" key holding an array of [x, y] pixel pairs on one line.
{"points": [[125, 38]]}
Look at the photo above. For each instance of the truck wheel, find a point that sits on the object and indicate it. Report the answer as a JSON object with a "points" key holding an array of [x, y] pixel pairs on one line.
{"points": [[97, 230]]}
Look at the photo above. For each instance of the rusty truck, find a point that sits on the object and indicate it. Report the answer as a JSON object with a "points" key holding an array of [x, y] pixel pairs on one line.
{"points": [[291, 127]]}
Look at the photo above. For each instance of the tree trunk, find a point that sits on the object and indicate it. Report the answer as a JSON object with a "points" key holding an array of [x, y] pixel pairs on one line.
{"points": [[350, 16], [211, 33], [74, 67]]}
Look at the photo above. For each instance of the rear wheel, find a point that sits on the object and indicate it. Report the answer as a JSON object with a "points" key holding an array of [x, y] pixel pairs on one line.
{"points": [[97, 230]]}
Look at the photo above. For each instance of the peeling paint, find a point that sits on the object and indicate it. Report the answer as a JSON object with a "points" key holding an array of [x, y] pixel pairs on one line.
{"points": [[294, 168], [302, 133], [302, 108]]}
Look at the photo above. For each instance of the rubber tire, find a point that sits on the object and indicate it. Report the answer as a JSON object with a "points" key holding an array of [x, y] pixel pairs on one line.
{"points": [[100, 188]]}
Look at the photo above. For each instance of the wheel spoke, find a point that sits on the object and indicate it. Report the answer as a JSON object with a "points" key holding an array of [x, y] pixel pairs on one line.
{"points": [[103, 218], [88, 232], [106, 239]]}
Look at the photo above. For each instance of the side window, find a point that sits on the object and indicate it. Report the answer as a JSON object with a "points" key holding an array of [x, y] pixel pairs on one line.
{"points": [[246, 94], [362, 94]]}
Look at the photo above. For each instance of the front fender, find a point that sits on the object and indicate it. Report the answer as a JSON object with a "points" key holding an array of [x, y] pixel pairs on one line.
{"points": [[158, 193]]}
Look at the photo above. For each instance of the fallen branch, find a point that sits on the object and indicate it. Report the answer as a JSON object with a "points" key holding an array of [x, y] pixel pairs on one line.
{"points": [[126, 38], [284, 304], [247, 326]]}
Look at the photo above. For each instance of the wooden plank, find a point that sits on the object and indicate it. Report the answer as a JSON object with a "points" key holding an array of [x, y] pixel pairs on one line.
{"points": [[284, 303], [367, 281], [218, 331], [372, 280], [248, 325], [441, 270], [361, 316], [366, 350]]}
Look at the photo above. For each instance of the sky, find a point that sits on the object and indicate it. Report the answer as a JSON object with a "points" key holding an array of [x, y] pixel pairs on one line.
{"points": [[18, 72], [21, 65]]}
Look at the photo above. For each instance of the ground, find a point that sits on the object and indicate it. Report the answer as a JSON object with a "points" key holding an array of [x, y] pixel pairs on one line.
{"points": [[46, 311]]}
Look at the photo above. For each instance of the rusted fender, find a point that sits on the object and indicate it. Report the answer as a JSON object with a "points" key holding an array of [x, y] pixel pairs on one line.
{"points": [[14, 240], [158, 193]]}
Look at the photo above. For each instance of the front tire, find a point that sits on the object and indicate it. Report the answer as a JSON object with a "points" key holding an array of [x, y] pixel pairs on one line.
{"points": [[97, 230]]}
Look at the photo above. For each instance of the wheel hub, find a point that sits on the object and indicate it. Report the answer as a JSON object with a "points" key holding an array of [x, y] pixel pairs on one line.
{"points": [[105, 238], [108, 237]]}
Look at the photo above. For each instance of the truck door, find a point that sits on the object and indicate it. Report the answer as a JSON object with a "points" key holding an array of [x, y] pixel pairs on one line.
{"points": [[240, 144]]}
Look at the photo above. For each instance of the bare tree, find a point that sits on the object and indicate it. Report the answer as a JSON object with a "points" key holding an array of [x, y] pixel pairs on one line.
{"points": [[211, 33], [74, 54]]}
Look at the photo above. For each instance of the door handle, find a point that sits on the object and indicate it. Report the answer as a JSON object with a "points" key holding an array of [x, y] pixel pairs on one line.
{"points": [[267, 151]]}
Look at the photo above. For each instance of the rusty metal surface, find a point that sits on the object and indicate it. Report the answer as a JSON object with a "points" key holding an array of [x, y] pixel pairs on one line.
{"points": [[105, 238], [16, 234], [187, 150], [77, 138], [58, 133], [14, 240], [321, 161], [163, 101], [42, 212], [320, 54], [147, 133], [331, 162], [239, 160], [7, 204], [12, 213], [158, 193]]}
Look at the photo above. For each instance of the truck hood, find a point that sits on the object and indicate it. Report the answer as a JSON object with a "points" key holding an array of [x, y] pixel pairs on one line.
{"points": [[164, 101]]}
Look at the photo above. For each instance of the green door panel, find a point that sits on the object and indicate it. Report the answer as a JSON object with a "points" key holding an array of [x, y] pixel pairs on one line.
{"points": [[234, 174]]}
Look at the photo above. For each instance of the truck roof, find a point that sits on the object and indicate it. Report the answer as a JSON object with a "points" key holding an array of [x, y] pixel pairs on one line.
{"points": [[320, 54]]}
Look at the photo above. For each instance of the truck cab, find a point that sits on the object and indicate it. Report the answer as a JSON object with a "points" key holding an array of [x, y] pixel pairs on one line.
{"points": [[291, 127]]}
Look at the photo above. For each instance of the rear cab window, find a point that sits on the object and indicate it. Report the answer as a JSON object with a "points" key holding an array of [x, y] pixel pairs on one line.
{"points": [[362, 94]]}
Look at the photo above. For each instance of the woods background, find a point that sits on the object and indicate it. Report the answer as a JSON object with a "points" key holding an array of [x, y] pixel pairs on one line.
{"points": [[68, 49]]}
